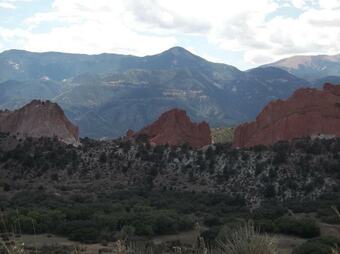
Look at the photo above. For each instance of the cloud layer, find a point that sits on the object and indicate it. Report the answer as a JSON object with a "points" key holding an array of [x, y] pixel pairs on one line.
{"points": [[261, 31]]}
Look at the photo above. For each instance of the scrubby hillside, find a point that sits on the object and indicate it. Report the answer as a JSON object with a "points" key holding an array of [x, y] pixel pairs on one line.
{"points": [[304, 169], [102, 189]]}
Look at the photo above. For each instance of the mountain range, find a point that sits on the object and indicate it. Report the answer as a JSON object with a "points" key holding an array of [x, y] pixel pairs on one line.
{"points": [[311, 67], [107, 94]]}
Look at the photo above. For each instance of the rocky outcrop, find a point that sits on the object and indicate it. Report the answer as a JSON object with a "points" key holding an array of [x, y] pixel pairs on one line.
{"points": [[129, 134], [308, 112], [39, 119], [174, 128]]}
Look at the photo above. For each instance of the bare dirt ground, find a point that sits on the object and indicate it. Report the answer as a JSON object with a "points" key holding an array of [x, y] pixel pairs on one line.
{"points": [[38, 241], [330, 229], [285, 243]]}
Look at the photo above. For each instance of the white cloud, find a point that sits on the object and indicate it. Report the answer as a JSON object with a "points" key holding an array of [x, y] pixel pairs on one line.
{"points": [[243, 25], [300, 4], [149, 26], [11, 4], [207, 56], [313, 32], [7, 5], [92, 38], [91, 27], [329, 4]]}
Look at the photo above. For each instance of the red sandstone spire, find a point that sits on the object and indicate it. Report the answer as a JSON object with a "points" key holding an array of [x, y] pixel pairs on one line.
{"points": [[39, 119], [174, 127]]}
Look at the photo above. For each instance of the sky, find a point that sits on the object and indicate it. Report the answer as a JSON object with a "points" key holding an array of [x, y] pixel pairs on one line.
{"points": [[243, 33]]}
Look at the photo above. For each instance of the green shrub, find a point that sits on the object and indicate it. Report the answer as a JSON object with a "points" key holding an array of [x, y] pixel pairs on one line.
{"points": [[103, 157], [212, 220], [210, 234], [305, 227], [266, 225]]}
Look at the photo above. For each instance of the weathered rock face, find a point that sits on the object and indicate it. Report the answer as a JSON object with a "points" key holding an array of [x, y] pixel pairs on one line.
{"points": [[174, 127], [39, 119], [308, 112], [129, 133]]}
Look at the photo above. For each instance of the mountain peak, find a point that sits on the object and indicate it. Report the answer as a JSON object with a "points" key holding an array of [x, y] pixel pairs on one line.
{"points": [[177, 51], [310, 66]]}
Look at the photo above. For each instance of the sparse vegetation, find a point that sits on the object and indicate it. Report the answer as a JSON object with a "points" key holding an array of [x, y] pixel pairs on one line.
{"points": [[107, 190], [245, 240]]}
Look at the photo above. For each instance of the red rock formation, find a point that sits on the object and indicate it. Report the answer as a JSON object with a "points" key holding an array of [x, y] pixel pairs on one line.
{"points": [[174, 127], [129, 134], [39, 119], [308, 112]]}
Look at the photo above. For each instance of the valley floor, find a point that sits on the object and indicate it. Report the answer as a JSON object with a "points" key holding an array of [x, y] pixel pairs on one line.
{"points": [[285, 243]]}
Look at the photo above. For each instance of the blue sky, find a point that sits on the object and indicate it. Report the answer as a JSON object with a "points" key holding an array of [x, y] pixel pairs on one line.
{"points": [[242, 33]]}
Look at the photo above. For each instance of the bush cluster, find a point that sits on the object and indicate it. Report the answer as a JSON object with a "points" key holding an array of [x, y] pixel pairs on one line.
{"points": [[302, 227]]}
